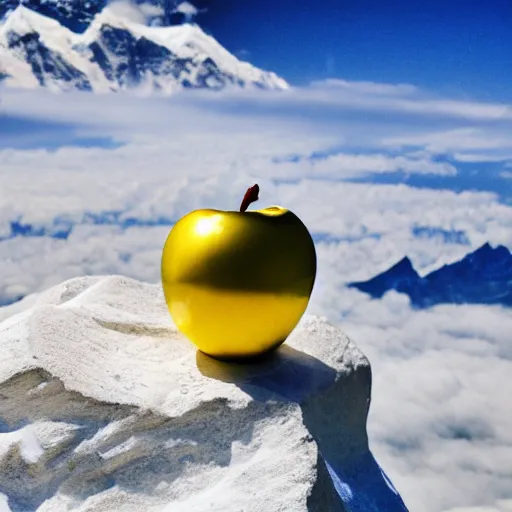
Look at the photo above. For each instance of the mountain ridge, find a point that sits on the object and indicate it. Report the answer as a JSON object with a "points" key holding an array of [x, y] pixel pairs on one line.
{"points": [[115, 53], [483, 276], [66, 12]]}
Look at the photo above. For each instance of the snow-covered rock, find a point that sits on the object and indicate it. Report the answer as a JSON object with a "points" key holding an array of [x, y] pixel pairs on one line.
{"points": [[73, 14], [115, 53], [104, 406]]}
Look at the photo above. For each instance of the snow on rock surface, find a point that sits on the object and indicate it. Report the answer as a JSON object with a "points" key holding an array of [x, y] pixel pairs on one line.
{"points": [[104, 406], [117, 54]]}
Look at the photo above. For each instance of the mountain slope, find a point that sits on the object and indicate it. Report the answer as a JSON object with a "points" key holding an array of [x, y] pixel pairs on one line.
{"points": [[116, 54], [73, 14], [482, 277]]}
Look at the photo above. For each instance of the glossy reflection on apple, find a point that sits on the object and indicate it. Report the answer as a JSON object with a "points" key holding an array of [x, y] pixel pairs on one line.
{"points": [[237, 282]]}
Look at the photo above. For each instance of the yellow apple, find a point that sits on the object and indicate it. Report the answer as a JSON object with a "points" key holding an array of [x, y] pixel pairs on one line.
{"points": [[237, 282]]}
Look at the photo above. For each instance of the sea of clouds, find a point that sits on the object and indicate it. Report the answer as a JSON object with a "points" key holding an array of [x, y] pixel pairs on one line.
{"points": [[92, 185]]}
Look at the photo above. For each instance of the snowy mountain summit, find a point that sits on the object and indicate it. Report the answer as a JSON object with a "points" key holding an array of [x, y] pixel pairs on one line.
{"points": [[106, 407], [115, 54]]}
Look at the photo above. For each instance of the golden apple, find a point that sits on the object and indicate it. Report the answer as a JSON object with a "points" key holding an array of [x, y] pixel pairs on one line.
{"points": [[237, 283]]}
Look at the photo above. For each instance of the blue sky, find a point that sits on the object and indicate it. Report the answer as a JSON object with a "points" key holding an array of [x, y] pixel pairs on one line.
{"points": [[454, 47]]}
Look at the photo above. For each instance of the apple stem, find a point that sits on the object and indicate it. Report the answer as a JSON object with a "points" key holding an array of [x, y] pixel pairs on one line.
{"points": [[250, 196]]}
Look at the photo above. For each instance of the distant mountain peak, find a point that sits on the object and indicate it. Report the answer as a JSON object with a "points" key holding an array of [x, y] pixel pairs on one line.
{"points": [[115, 53], [486, 247], [487, 251], [404, 265], [483, 276], [398, 276]]}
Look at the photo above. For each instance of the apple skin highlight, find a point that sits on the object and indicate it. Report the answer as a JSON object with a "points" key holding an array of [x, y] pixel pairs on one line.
{"points": [[237, 283]]}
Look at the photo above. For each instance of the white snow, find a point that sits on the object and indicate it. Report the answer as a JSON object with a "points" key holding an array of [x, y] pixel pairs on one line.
{"points": [[4, 503], [112, 409], [19, 72], [185, 41], [187, 9], [26, 440]]}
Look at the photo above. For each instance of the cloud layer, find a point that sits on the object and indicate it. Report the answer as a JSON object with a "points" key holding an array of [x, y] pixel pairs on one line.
{"points": [[439, 422]]}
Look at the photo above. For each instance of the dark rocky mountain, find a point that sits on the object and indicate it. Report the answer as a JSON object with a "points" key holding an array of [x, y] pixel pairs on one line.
{"points": [[481, 277]]}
